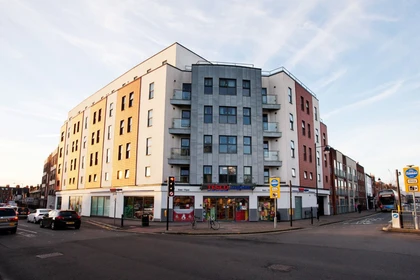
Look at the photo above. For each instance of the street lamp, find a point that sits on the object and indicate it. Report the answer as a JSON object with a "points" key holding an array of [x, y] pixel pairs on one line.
{"points": [[326, 149]]}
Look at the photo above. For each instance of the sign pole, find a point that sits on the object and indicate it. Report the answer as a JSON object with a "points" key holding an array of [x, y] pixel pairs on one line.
{"points": [[416, 224], [290, 203], [275, 212], [167, 213]]}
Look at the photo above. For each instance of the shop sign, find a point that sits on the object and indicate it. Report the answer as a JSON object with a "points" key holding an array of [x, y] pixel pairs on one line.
{"points": [[225, 188]]}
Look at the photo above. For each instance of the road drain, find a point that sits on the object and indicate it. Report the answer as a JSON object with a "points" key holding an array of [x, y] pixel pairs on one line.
{"points": [[280, 267]]}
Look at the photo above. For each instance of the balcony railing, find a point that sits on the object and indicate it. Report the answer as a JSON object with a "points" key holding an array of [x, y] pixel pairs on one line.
{"points": [[271, 155], [181, 95], [270, 127], [181, 123], [180, 153], [269, 99]]}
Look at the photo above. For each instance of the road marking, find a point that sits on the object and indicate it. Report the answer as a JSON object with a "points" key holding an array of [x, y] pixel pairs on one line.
{"points": [[26, 234], [50, 255], [28, 230]]}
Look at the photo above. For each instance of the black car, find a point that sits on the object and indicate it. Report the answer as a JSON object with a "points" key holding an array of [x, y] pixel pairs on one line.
{"points": [[61, 219], [23, 212]]}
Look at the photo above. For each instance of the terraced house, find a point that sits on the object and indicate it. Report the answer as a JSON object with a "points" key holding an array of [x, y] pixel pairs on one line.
{"points": [[221, 129]]}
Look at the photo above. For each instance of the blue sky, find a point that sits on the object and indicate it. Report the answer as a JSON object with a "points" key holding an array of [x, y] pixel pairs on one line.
{"points": [[361, 58]]}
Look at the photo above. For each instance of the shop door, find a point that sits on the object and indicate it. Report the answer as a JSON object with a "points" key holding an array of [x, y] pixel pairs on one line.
{"points": [[298, 207], [226, 209]]}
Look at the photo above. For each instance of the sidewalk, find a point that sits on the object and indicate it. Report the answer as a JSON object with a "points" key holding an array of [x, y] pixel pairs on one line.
{"points": [[134, 226]]}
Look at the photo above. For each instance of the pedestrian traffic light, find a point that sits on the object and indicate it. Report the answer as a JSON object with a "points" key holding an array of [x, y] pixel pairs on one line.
{"points": [[171, 186]]}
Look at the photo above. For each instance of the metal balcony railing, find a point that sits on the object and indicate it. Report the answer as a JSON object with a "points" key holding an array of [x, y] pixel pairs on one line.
{"points": [[181, 123], [181, 95], [271, 155]]}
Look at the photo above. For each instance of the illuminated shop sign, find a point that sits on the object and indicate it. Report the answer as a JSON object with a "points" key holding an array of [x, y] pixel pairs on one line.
{"points": [[225, 188]]}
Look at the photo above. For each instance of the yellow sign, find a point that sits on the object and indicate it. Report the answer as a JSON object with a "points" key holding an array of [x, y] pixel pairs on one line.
{"points": [[274, 187], [411, 179]]}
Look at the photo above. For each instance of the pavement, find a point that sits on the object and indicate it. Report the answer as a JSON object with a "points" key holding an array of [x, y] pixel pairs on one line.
{"points": [[226, 228]]}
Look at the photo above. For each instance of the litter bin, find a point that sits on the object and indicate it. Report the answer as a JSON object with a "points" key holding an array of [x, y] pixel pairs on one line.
{"points": [[278, 216], [145, 220]]}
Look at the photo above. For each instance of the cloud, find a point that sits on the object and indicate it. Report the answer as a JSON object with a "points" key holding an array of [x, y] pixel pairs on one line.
{"points": [[32, 113], [330, 79]]}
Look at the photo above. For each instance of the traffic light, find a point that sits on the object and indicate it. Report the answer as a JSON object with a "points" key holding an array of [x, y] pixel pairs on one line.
{"points": [[171, 186]]}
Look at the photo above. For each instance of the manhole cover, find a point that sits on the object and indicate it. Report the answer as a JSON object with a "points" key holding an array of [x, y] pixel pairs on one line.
{"points": [[281, 267]]}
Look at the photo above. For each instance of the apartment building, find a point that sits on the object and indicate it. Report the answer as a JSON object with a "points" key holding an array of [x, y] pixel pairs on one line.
{"points": [[221, 129]]}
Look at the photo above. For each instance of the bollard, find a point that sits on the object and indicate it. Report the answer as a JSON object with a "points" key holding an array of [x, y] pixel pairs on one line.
{"points": [[122, 220], [312, 217]]}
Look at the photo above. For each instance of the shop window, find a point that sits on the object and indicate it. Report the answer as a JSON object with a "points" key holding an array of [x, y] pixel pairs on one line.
{"points": [[136, 206], [183, 208], [100, 206], [266, 209], [75, 203], [59, 200]]}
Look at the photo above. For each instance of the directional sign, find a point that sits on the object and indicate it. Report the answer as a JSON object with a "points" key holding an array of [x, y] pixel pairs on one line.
{"points": [[274, 187], [411, 179]]}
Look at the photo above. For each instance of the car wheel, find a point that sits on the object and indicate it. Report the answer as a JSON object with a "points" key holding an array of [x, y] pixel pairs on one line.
{"points": [[41, 224], [14, 231], [27, 220], [53, 226], [77, 227]]}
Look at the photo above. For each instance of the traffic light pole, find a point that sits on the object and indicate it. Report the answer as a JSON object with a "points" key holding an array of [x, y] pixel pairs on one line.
{"points": [[167, 212]]}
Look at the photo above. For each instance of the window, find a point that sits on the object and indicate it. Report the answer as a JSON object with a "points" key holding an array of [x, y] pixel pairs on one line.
{"points": [[91, 159], [185, 174], [317, 135], [309, 130], [106, 176], [207, 174], [127, 174], [94, 117], [78, 126], [75, 164], [208, 144], [317, 157], [95, 178], [81, 179], [90, 178], [227, 115], [61, 152], [111, 109], [72, 146], [310, 154], [119, 152], [121, 127], [307, 107], [324, 139], [129, 123], [62, 136], [266, 175], [247, 116], [318, 177], [185, 118], [290, 96], [227, 144], [86, 122], [68, 133], [208, 114], [130, 99], [304, 153], [96, 158], [227, 87], [83, 162], [123, 103], [227, 174], [305, 174], [84, 142], [310, 175], [149, 146], [108, 155], [303, 128], [292, 149], [302, 103], [246, 88], [59, 169], [119, 174], [325, 160], [99, 115], [316, 113], [247, 145], [71, 165], [247, 175], [293, 172], [208, 85], [149, 118], [151, 90], [127, 150], [109, 131], [97, 136], [77, 145], [147, 171], [291, 121]]}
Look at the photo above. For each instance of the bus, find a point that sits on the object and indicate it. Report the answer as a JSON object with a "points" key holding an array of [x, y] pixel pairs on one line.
{"points": [[387, 200]]}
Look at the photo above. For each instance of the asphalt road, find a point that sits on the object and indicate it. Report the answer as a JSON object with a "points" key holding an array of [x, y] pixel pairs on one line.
{"points": [[351, 250]]}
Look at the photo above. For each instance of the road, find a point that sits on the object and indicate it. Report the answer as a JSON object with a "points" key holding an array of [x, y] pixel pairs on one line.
{"points": [[349, 250]]}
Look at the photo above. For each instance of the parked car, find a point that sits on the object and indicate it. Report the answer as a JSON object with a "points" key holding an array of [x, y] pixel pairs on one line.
{"points": [[8, 219], [61, 219], [23, 212], [36, 215]]}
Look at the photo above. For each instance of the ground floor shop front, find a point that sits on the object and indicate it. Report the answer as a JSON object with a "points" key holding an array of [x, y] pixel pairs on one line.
{"points": [[236, 204]]}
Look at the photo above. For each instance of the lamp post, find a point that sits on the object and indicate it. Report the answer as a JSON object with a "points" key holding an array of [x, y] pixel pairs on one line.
{"points": [[326, 149]]}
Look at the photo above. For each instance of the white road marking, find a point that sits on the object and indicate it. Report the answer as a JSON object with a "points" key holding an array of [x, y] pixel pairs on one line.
{"points": [[21, 229], [50, 255], [26, 234]]}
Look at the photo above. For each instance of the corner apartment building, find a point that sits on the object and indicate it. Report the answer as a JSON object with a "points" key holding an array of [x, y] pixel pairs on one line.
{"points": [[221, 129]]}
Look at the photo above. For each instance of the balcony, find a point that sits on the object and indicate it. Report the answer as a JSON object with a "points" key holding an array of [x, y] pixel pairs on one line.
{"points": [[269, 102], [180, 126], [271, 129], [181, 98], [179, 156], [182, 179], [272, 158]]}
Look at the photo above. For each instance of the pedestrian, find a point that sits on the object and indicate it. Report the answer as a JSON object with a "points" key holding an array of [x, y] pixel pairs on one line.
{"points": [[359, 208]]}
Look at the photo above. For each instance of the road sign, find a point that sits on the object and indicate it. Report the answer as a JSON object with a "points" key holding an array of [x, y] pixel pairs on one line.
{"points": [[411, 179], [274, 187]]}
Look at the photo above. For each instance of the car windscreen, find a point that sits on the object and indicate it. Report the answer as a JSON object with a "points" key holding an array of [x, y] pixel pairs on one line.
{"points": [[7, 212], [44, 211], [68, 214]]}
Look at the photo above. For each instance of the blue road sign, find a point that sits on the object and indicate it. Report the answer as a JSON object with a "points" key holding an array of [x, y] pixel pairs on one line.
{"points": [[411, 173]]}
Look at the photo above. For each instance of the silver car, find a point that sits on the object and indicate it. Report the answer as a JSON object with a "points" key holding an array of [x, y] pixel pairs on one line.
{"points": [[36, 215], [8, 219]]}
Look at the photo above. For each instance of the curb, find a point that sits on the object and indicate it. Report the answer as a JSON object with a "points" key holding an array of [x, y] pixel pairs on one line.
{"points": [[400, 230], [340, 221], [232, 233]]}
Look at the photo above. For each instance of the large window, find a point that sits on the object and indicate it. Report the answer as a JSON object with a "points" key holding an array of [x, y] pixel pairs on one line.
{"points": [[208, 85], [247, 116], [208, 114], [246, 88], [227, 174], [208, 144], [227, 144], [136, 206], [227, 115], [207, 171], [247, 145], [100, 206], [247, 175], [75, 203], [227, 87]]}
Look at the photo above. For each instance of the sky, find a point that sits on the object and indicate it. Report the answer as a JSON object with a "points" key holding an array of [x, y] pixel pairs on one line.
{"points": [[360, 58]]}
